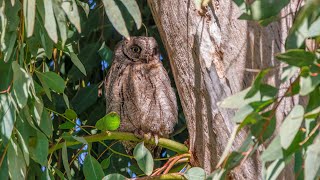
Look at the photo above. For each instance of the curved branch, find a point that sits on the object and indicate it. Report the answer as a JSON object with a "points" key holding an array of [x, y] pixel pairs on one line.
{"points": [[125, 136]]}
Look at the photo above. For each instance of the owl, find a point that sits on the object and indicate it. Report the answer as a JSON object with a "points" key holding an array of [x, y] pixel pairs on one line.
{"points": [[138, 88]]}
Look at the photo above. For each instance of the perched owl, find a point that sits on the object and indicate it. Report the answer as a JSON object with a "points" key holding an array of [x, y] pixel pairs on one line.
{"points": [[138, 88]]}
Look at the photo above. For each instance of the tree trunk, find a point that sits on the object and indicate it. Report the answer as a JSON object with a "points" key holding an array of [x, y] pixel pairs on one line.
{"points": [[211, 55]]}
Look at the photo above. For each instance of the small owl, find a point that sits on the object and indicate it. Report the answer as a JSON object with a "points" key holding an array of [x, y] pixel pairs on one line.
{"points": [[138, 88]]}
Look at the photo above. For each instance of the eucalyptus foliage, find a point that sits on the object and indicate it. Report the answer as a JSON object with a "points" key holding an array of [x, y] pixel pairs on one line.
{"points": [[54, 56]]}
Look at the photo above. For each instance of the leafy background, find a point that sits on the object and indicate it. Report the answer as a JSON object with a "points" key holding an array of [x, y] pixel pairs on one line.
{"points": [[55, 54], [54, 57]]}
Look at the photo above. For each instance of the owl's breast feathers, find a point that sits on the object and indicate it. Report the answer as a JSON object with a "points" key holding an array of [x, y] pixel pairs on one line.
{"points": [[142, 94]]}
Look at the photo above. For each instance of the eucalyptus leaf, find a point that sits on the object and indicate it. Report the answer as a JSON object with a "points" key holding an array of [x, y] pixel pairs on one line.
{"points": [[29, 12], [52, 80], [71, 9], [290, 126], [92, 169], [144, 158], [133, 9], [114, 14], [312, 162], [114, 177], [77, 63], [195, 173], [16, 164], [50, 21]]}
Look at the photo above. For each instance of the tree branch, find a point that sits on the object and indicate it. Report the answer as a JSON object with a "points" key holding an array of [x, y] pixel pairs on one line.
{"points": [[125, 136]]}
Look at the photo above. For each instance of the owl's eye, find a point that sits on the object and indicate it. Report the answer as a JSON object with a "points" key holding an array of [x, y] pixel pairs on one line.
{"points": [[135, 49]]}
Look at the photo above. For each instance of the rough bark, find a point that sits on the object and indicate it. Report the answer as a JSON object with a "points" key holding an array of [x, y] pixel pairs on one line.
{"points": [[211, 56]]}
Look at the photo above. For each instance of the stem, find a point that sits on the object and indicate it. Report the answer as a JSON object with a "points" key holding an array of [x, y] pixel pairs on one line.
{"points": [[175, 176], [163, 142]]}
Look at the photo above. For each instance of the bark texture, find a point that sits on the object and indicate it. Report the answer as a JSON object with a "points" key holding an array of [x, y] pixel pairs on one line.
{"points": [[212, 56]]}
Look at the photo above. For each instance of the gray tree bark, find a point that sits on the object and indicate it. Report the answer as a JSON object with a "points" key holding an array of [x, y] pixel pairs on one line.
{"points": [[211, 56]]}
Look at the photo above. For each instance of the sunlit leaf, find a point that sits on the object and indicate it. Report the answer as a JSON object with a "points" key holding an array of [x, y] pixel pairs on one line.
{"points": [[61, 21], [195, 173], [29, 12], [71, 9], [16, 163], [92, 169], [114, 177], [274, 169], [143, 158], [7, 117], [274, 151], [133, 9], [312, 162], [21, 83], [49, 21], [308, 84], [109, 122], [114, 14], [291, 125]]}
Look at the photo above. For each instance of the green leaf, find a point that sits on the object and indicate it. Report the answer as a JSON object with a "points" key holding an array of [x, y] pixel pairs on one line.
{"points": [[66, 125], [274, 151], [195, 173], [105, 53], [65, 160], [10, 40], [29, 12], [76, 61], [291, 125], [69, 113], [7, 117], [39, 147], [274, 169], [84, 98], [106, 163], [297, 57], [92, 169], [16, 163], [24, 147], [21, 84], [133, 9], [4, 170], [66, 100], [46, 123], [109, 122], [263, 9], [114, 177], [114, 14], [308, 84], [71, 9], [288, 72], [49, 21], [257, 82], [52, 80], [61, 21], [238, 100], [242, 113], [143, 158], [312, 162], [6, 75]]}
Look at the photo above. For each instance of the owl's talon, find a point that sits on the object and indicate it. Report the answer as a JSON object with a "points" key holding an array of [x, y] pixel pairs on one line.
{"points": [[147, 136], [156, 139]]}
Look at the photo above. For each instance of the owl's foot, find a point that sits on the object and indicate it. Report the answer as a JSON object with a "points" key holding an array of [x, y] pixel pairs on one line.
{"points": [[146, 136]]}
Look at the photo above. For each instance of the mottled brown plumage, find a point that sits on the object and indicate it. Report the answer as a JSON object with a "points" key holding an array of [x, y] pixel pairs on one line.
{"points": [[138, 88]]}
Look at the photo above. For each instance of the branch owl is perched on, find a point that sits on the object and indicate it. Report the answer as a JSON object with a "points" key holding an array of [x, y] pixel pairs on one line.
{"points": [[138, 89]]}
